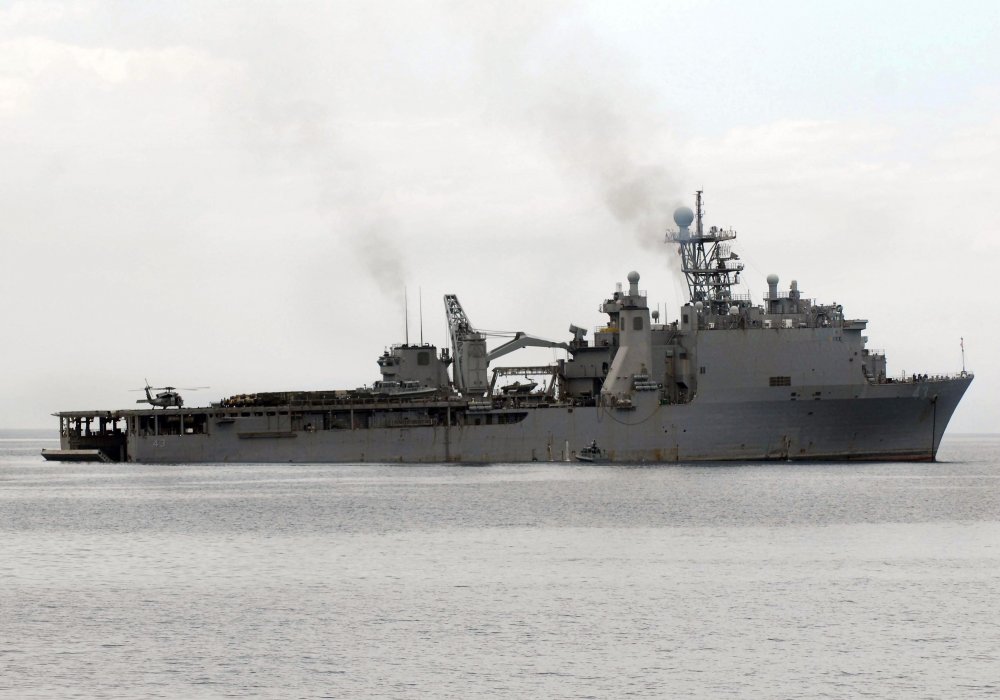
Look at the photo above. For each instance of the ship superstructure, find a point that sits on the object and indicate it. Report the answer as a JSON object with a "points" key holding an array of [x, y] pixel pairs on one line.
{"points": [[729, 379]]}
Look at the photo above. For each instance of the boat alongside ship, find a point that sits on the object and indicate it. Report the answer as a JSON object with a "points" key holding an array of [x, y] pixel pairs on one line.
{"points": [[591, 454], [730, 379]]}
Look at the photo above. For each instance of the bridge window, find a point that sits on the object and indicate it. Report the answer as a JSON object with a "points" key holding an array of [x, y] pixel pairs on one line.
{"points": [[781, 381]]}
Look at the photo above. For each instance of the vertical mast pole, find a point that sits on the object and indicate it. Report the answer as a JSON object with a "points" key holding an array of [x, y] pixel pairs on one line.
{"points": [[697, 208]]}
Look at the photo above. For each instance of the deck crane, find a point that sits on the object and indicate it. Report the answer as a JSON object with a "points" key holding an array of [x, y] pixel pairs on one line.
{"points": [[468, 347]]}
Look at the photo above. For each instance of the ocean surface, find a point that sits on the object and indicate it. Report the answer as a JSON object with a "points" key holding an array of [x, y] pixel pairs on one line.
{"points": [[778, 580]]}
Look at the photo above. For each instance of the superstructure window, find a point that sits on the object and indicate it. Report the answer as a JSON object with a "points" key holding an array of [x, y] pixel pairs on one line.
{"points": [[504, 418], [423, 358], [637, 323], [781, 381]]}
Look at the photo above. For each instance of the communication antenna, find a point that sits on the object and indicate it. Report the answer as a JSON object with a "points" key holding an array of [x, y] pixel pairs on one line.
{"points": [[961, 342], [698, 212], [406, 316], [420, 299]]}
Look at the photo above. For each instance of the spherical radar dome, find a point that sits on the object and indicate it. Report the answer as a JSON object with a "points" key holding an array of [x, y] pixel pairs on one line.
{"points": [[683, 216], [633, 277]]}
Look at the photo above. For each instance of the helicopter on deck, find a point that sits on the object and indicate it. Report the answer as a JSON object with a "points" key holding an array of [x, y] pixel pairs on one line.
{"points": [[166, 396]]}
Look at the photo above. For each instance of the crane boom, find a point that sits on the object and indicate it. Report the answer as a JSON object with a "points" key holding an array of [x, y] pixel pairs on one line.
{"points": [[523, 340]]}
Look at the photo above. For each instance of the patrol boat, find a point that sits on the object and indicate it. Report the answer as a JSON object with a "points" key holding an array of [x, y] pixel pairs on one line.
{"points": [[729, 379]]}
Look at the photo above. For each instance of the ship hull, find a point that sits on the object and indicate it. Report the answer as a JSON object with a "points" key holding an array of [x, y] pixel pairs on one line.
{"points": [[886, 422]]}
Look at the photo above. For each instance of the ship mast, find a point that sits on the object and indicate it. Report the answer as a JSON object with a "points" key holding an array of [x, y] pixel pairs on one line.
{"points": [[707, 259]]}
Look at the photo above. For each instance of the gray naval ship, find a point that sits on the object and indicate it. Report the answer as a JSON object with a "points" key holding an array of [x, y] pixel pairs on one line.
{"points": [[729, 379]]}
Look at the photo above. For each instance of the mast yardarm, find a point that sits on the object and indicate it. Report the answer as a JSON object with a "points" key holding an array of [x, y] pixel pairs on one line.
{"points": [[710, 266]]}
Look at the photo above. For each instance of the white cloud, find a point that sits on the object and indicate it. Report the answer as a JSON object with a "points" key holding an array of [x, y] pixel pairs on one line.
{"points": [[39, 14], [39, 61]]}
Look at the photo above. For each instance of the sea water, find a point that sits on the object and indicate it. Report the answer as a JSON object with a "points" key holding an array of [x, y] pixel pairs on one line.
{"points": [[549, 580]]}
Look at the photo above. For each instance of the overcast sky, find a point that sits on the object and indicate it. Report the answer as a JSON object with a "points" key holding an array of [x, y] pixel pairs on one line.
{"points": [[237, 194]]}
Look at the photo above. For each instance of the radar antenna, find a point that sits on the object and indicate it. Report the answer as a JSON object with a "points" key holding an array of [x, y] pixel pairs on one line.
{"points": [[708, 263]]}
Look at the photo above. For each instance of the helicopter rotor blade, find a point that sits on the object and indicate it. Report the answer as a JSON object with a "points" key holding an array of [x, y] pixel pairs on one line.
{"points": [[171, 388]]}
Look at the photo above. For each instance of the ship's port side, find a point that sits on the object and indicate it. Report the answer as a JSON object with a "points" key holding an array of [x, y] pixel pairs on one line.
{"points": [[901, 420]]}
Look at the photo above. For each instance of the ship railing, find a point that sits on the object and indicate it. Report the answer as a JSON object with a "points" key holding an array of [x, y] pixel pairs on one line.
{"points": [[706, 236], [740, 297], [620, 294], [920, 378], [330, 401]]}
